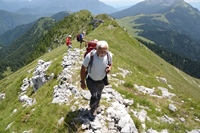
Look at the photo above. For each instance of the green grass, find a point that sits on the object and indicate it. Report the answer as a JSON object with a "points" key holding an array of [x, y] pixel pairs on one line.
{"points": [[129, 55]]}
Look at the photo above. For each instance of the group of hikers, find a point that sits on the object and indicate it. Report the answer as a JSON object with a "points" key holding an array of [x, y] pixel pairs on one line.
{"points": [[97, 63], [80, 38]]}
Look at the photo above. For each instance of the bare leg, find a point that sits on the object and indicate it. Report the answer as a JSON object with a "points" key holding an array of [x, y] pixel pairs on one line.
{"points": [[80, 45]]}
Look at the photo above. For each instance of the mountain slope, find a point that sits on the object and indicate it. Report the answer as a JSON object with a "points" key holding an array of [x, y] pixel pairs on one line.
{"points": [[176, 15], [144, 7], [185, 19], [145, 69], [16, 54], [60, 15], [175, 29], [9, 36], [10, 20], [94, 6]]}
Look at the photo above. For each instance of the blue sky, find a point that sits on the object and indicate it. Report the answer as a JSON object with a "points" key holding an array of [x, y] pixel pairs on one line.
{"points": [[122, 3]]}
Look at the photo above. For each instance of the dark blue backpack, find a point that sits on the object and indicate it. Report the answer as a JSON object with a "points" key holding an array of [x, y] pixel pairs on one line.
{"points": [[79, 37]]}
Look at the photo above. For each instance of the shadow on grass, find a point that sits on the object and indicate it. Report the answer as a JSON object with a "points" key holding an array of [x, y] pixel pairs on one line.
{"points": [[74, 119]]}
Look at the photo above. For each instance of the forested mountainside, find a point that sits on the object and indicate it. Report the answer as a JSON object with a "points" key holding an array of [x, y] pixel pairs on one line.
{"points": [[10, 20], [11, 35], [43, 37]]}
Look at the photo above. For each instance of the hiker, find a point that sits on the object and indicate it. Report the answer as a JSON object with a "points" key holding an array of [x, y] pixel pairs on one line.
{"points": [[68, 42], [96, 76], [81, 39]]}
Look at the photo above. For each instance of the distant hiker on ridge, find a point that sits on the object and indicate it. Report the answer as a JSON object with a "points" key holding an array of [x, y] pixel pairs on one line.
{"points": [[68, 41], [81, 38]]}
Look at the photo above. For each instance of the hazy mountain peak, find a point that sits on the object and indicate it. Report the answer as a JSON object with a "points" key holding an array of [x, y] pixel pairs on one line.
{"points": [[55, 6]]}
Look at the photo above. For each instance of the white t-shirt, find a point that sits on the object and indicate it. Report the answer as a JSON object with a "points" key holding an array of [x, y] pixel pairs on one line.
{"points": [[98, 66]]}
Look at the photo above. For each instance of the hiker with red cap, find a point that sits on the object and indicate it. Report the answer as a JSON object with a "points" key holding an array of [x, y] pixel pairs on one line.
{"points": [[68, 41]]}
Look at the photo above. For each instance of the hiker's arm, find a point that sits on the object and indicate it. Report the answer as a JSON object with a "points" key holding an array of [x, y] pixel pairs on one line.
{"points": [[83, 75]]}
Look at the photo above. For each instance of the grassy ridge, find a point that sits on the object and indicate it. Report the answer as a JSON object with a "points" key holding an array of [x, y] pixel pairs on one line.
{"points": [[129, 55]]}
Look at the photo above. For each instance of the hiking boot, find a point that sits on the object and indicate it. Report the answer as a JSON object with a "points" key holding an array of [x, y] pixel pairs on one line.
{"points": [[92, 110], [85, 112], [91, 117]]}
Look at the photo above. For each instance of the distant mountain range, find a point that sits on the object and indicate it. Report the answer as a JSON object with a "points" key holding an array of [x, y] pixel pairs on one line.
{"points": [[10, 20], [145, 7], [14, 13], [54, 6]]}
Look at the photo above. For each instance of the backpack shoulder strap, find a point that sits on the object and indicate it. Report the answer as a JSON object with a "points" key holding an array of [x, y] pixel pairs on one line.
{"points": [[91, 60], [109, 58]]}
